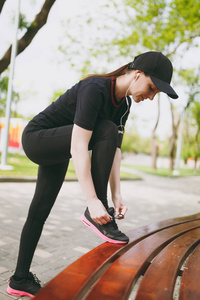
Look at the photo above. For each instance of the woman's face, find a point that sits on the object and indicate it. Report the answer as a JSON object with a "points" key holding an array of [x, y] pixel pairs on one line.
{"points": [[143, 88]]}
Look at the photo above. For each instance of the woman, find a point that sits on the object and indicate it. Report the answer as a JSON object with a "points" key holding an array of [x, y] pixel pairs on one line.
{"points": [[89, 116]]}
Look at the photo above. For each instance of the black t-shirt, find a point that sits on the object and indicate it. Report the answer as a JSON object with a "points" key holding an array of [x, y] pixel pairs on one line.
{"points": [[86, 102]]}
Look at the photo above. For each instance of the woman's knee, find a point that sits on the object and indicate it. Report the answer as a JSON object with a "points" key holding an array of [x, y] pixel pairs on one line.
{"points": [[108, 128], [104, 130], [111, 128]]}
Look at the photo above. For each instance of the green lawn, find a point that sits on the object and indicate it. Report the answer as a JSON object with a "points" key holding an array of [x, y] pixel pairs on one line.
{"points": [[23, 167], [162, 171]]}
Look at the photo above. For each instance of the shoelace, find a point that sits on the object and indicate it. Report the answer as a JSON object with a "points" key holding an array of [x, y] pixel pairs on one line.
{"points": [[113, 225], [34, 278]]}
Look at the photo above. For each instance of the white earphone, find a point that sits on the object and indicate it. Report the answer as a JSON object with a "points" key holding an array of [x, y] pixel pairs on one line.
{"points": [[132, 82], [138, 74], [121, 127]]}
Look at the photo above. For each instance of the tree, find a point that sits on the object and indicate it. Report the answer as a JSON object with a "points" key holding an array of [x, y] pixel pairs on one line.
{"points": [[173, 138], [191, 136], [196, 114], [171, 27], [31, 31], [164, 26], [191, 148], [194, 138], [133, 143], [154, 143], [3, 94], [131, 27], [56, 95], [2, 4]]}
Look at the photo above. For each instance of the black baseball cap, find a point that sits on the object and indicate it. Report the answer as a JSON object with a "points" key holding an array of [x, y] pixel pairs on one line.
{"points": [[159, 68]]}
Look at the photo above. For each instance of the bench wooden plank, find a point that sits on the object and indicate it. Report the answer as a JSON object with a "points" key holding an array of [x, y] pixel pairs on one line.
{"points": [[118, 280], [70, 283], [165, 267], [81, 274], [190, 282]]}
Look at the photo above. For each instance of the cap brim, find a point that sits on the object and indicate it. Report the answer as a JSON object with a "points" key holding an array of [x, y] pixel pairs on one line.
{"points": [[164, 87]]}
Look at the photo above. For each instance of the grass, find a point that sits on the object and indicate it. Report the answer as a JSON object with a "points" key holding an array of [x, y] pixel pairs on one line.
{"points": [[163, 171], [128, 176], [23, 167]]}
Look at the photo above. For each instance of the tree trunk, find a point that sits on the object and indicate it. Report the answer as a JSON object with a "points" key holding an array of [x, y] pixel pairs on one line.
{"points": [[173, 138], [154, 152], [195, 166], [2, 4], [32, 30], [154, 144], [197, 150], [172, 150]]}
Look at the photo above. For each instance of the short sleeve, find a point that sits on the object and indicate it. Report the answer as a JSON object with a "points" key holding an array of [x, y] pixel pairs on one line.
{"points": [[89, 102]]}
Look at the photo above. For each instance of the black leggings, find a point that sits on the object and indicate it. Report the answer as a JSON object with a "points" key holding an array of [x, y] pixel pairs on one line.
{"points": [[50, 149]]}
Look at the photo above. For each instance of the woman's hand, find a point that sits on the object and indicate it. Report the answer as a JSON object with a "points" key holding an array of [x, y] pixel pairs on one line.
{"points": [[120, 208], [98, 212]]}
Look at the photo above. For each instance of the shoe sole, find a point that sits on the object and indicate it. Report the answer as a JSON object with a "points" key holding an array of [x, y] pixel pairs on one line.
{"points": [[86, 222], [17, 293]]}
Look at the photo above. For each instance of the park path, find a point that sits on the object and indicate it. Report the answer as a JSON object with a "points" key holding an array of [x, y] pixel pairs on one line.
{"points": [[65, 239]]}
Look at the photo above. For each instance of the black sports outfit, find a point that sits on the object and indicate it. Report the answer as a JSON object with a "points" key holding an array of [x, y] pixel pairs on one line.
{"points": [[91, 104]]}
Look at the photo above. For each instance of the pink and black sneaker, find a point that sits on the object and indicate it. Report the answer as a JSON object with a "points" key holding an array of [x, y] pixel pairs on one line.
{"points": [[24, 287], [109, 232]]}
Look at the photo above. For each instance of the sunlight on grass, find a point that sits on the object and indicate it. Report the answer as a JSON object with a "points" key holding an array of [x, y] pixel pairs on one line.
{"points": [[23, 167], [162, 171]]}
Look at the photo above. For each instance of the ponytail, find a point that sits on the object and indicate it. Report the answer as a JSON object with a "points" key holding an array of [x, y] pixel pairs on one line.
{"points": [[121, 71]]}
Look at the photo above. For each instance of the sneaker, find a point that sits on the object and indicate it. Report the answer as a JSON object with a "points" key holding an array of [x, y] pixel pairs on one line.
{"points": [[24, 287], [109, 232]]}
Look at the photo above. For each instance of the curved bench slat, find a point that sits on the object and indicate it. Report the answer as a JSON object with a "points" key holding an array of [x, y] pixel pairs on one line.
{"points": [[190, 282], [81, 274], [159, 280], [118, 280]]}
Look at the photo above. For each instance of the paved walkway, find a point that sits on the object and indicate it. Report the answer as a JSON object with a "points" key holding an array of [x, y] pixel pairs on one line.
{"points": [[65, 239]]}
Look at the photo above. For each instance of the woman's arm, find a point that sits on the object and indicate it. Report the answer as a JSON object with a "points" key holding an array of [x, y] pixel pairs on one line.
{"points": [[120, 207], [82, 164]]}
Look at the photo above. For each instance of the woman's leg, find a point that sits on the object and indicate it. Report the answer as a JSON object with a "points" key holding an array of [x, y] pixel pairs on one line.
{"points": [[104, 145], [49, 182], [51, 150]]}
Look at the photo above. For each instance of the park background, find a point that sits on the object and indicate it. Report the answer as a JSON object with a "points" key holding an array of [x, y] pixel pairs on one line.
{"points": [[95, 36], [79, 38]]}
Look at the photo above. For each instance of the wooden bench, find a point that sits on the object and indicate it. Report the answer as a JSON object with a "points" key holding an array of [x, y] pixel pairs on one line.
{"points": [[156, 256]]}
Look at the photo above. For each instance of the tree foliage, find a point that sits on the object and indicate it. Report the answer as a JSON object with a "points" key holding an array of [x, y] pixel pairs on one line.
{"points": [[126, 27], [3, 96], [133, 143], [56, 95], [161, 25], [169, 26], [31, 29], [191, 134]]}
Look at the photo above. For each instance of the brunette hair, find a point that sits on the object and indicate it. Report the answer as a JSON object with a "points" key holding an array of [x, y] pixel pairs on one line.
{"points": [[114, 74], [121, 71]]}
